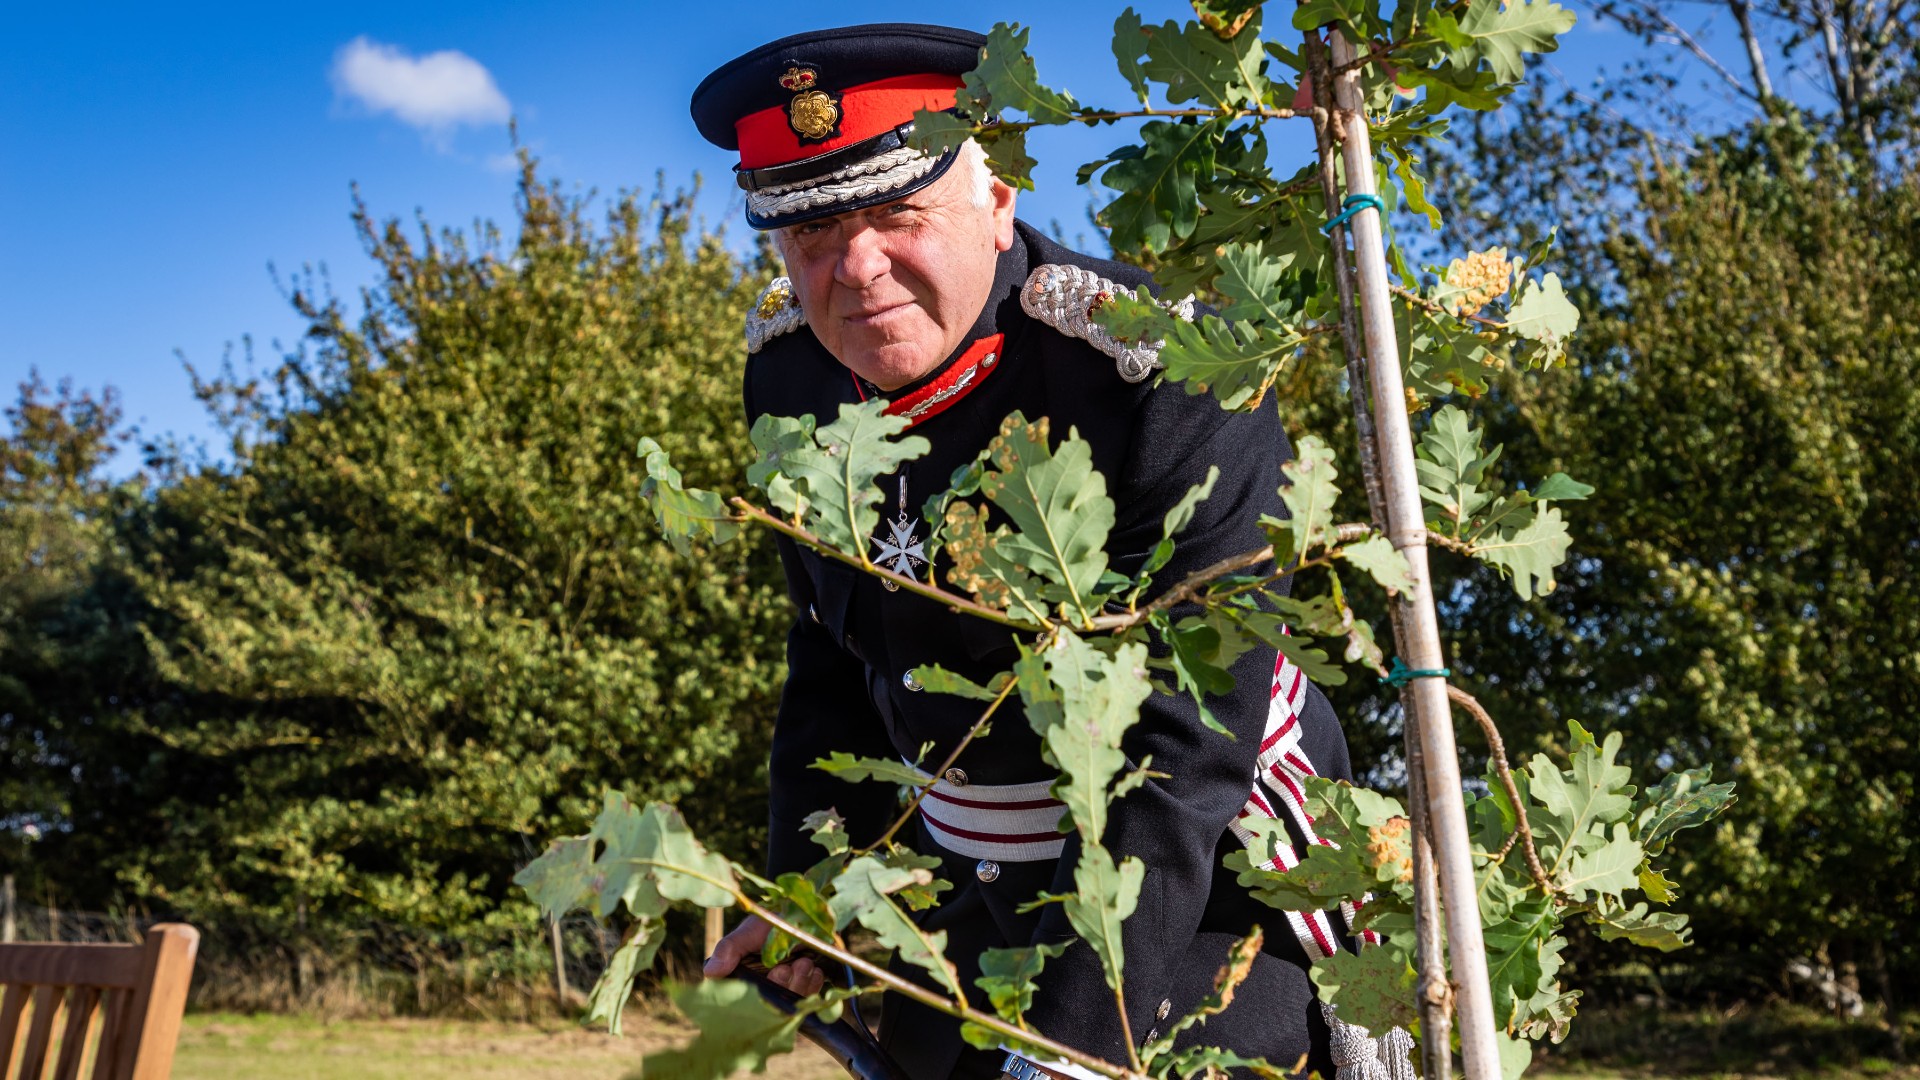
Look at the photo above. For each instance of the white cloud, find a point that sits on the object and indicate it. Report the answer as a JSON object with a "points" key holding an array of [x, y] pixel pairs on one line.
{"points": [[435, 93]]}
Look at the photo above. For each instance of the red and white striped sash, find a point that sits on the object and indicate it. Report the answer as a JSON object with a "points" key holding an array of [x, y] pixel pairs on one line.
{"points": [[1020, 822], [1002, 822], [1280, 788]]}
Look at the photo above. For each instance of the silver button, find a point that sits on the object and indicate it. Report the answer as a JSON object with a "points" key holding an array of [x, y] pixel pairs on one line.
{"points": [[990, 359], [907, 680], [1161, 1012], [956, 777], [988, 870]]}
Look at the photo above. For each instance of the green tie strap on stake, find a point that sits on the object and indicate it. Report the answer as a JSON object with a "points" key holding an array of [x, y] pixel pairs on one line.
{"points": [[1401, 674], [1350, 206]]}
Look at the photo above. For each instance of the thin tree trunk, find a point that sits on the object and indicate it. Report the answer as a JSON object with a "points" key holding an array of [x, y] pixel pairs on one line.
{"points": [[1858, 89], [1835, 60], [1887, 1007], [8, 930], [1756, 56], [560, 989], [302, 955], [1417, 629], [1431, 989]]}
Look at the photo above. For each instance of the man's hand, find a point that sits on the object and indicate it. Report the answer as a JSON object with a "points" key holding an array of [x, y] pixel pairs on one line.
{"points": [[800, 975]]}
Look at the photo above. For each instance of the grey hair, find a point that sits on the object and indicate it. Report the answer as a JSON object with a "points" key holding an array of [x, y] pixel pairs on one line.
{"points": [[973, 157]]}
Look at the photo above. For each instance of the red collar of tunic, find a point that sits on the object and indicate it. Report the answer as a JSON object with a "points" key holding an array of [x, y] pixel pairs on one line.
{"points": [[959, 379]]}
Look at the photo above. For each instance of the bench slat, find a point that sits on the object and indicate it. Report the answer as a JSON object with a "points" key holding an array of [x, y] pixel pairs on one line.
{"points": [[46, 1006], [81, 1012], [43, 964], [11, 1008]]}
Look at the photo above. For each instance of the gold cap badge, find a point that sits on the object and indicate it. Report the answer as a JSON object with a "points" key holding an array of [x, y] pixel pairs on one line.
{"points": [[813, 114]]}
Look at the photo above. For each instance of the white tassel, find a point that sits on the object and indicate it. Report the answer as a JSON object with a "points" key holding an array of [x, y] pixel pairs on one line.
{"points": [[1396, 1053], [1357, 1055]]}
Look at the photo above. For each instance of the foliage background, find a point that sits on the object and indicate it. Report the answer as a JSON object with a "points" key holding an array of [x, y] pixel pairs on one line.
{"points": [[1743, 394], [357, 673]]}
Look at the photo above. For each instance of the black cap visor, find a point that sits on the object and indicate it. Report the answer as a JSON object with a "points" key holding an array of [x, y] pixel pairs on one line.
{"points": [[815, 213]]}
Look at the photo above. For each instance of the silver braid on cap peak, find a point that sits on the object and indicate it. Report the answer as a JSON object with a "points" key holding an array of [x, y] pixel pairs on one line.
{"points": [[873, 176], [777, 311], [1065, 298]]}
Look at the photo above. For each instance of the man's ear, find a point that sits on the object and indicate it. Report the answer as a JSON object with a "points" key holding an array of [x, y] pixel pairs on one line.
{"points": [[1001, 200]]}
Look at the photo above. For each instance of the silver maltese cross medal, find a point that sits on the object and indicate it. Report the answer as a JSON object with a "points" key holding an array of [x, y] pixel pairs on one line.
{"points": [[900, 550]]}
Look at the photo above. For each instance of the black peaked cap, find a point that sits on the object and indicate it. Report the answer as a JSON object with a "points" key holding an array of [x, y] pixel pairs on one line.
{"points": [[844, 56]]}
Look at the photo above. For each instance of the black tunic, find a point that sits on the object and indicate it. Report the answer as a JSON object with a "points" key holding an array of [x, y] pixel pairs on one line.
{"points": [[852, 642]]}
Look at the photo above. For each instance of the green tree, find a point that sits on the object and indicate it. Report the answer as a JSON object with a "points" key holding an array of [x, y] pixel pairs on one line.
{"points": [[1747, 407], [421, 619], [66, 608], [1196, 201]]}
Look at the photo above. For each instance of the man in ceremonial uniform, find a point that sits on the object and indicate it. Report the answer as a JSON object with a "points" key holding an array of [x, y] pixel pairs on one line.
{"points": [[911, 280]]}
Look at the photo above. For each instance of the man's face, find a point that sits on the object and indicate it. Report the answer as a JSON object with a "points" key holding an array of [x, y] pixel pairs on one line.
{"points": [[891, 290]]}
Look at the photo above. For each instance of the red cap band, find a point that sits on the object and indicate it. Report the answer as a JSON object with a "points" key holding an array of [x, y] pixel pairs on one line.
{"points": [[768, 138]]}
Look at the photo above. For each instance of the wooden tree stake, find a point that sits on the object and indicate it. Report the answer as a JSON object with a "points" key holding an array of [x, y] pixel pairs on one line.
{"points": [[1431, 991], [1441, 812]]}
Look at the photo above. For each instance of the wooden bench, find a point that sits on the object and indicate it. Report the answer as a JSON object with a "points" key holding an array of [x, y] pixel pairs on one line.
{"points": [[112, 1010]]}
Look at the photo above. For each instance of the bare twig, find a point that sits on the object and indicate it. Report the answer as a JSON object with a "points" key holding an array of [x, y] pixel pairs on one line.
{"points": [[1357, 387], [1143, 114], [500, 552], [1377, 53], [1438, 308], [1126, 1028], [1381, 52], [1677, 36], [955, 601], [1190, 588], [1756, 56], [920, 794], [1497, 749], [888, 980], [1183, 592], [1348, 531]]}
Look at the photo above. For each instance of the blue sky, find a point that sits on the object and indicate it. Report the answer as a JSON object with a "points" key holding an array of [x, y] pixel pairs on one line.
{"points": [[158, 161]]}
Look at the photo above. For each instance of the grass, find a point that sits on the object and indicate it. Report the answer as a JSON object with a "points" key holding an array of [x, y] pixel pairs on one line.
{"points": [[1778, 1042], [1771, 1042], [227, 1046]]}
